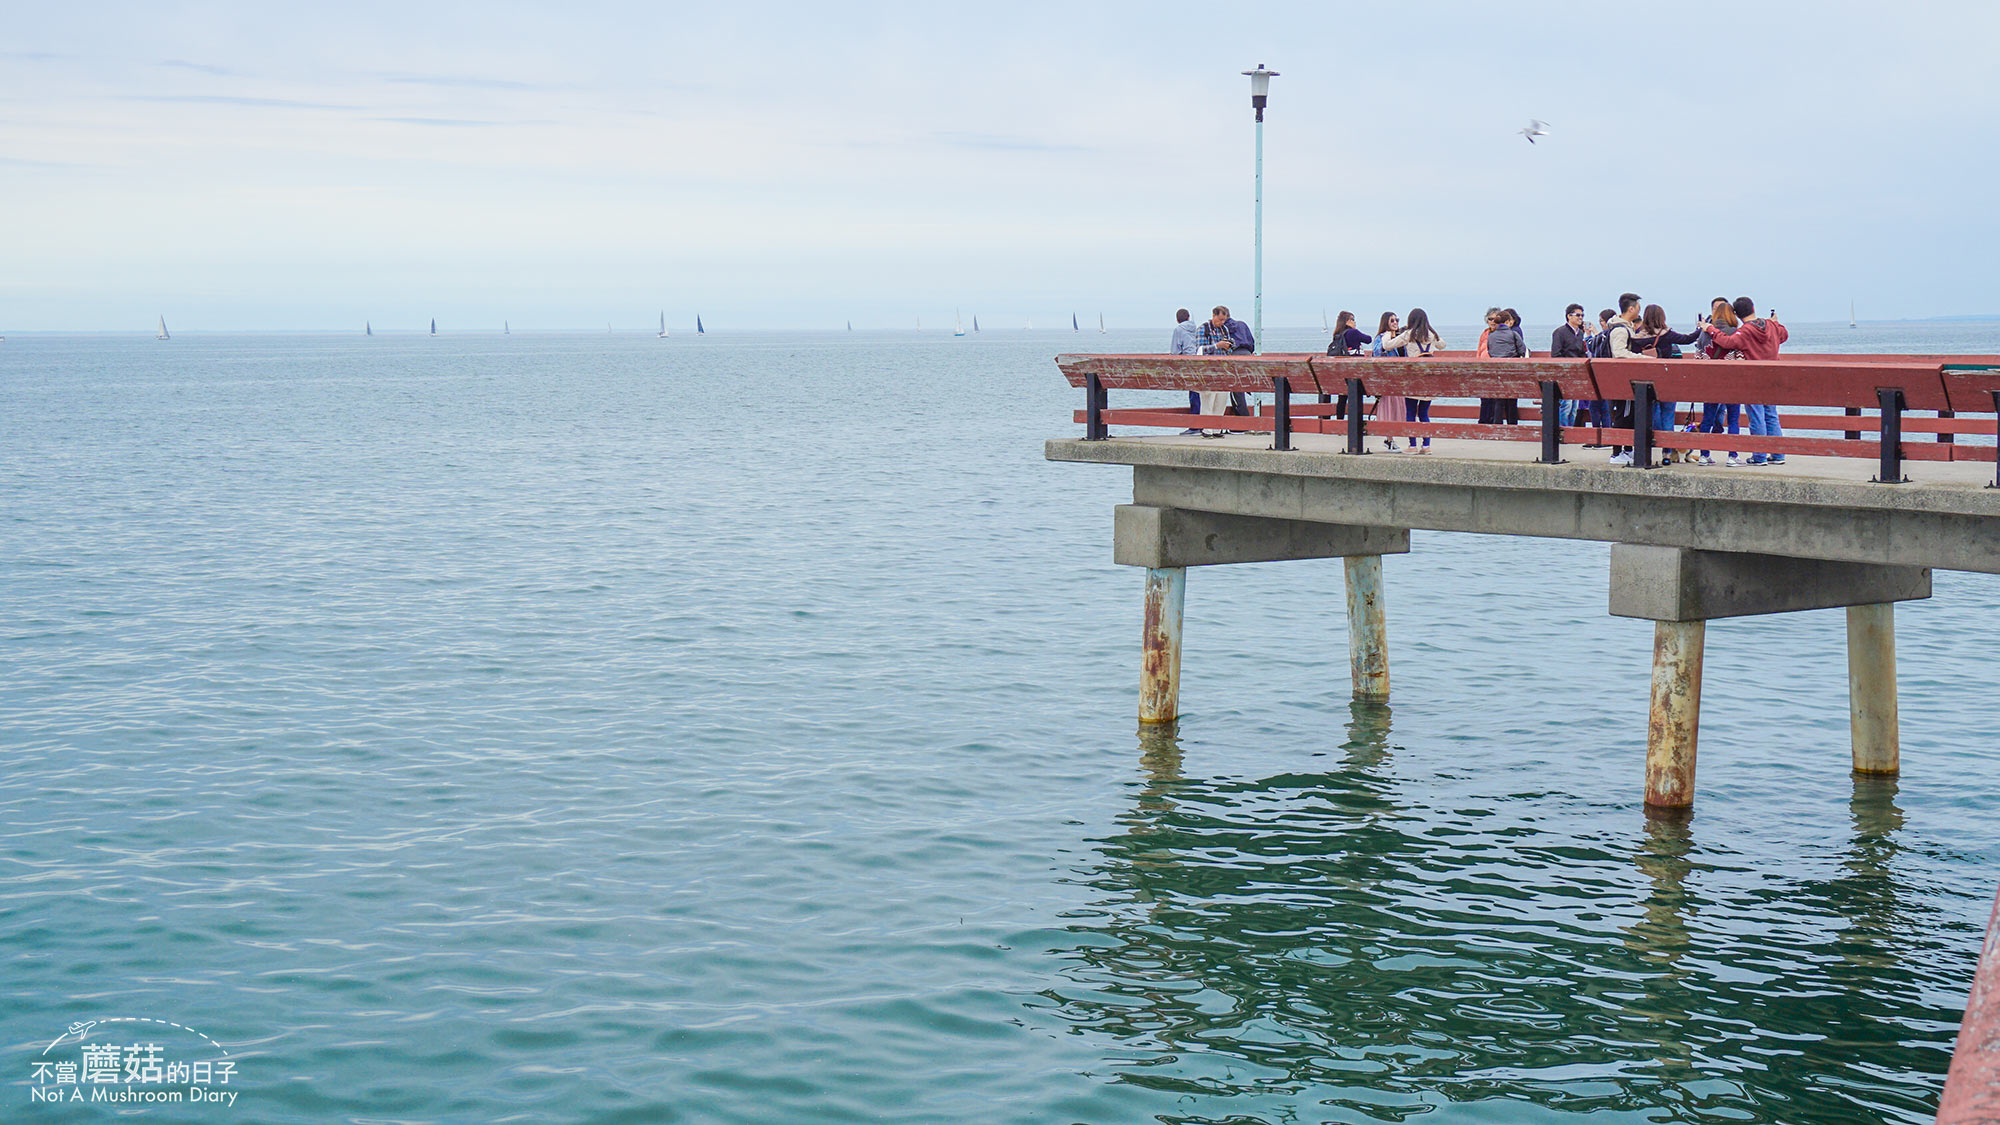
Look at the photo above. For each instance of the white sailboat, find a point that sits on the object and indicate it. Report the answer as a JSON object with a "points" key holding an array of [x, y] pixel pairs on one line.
{"points": [[1850, 315], [506, 329], [975, 322], [1100, 324], [1323, 329], [663, 325], [957, 324], [164, 334], [920, 324]]}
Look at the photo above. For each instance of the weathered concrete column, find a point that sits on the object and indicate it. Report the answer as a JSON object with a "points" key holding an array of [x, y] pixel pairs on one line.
{"points": [[1166, 541], [1160, 675], [1675, 719], [1871, 687], [1367, 631], [1680, 590]]}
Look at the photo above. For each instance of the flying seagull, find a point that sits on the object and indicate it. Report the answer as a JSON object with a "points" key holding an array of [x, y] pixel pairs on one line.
{"points": [[1536, 128]]}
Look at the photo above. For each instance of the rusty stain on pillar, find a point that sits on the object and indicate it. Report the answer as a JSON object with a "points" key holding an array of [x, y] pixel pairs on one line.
{"points": [[1160, 678], [1871, 687], [1676, 713], [1367, 632]]}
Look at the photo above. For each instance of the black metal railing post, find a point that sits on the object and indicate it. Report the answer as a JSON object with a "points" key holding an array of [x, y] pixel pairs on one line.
{"points": [[1094, 428], [1642, 424], [1551, 423], [1947, 438], [1357, 438], [1281, 410], [1891, 399], [1852, 412], [1996, 440]]}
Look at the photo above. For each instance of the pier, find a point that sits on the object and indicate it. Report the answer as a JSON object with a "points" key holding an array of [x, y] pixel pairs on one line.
{"points": [[1857, 517]]}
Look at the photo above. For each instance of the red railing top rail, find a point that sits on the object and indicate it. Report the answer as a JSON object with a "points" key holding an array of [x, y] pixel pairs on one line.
{"points": [[1930, 382]]}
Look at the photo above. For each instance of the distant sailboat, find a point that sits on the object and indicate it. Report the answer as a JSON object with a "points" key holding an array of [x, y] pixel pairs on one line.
{"points": [[1324, 330], [663, 324], [506, 329], [920, 324], [957, 325], [1850, 315], [850, 326], [698, 329], [1100, 324], [434, 326], [975, 322], [1072, 323], [164, 334], [367, 328], [1030, 328]]}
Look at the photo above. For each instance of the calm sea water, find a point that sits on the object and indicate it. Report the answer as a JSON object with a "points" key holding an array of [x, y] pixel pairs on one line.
{"points": [[740, 729]]}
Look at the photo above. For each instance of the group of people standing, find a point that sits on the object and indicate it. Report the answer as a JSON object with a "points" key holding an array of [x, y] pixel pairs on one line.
{"points": [[1731, 330]]}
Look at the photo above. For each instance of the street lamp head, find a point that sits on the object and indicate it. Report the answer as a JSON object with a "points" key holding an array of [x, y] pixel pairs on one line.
{"points": [[1260, 88]]}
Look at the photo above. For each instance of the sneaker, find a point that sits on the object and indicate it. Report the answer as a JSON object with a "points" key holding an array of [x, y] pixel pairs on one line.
{"points": [[1190, 433], [1755, 460], [1705, 459], [1733, 462], [1778, 460], [1621, 459]]}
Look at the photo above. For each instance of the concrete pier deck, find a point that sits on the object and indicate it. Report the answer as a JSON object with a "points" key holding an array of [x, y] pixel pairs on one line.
{"points": [[1808, 507]]}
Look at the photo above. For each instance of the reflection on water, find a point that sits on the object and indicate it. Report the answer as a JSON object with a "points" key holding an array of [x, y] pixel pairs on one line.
{"points": [[1315, 946]]}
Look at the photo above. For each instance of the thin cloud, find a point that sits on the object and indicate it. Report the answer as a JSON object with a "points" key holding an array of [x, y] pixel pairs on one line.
{"points": [[441, 122], [999, 143], [204, 68], [231, 99], [462, 82]]}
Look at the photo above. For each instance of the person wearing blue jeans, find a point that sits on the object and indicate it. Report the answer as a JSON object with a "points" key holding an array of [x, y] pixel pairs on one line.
{"points": [[1711, 423], [1764, 423]]}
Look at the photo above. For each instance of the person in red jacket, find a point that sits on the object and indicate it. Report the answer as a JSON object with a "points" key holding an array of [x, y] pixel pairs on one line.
{"points": [[1756, 338]]}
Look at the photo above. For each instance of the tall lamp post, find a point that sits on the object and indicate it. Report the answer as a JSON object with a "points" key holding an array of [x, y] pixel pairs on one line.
{"points": [[1260, 90]]}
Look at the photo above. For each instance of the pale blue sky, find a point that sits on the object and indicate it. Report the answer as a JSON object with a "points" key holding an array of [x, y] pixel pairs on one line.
{"points": [[799, 165]]}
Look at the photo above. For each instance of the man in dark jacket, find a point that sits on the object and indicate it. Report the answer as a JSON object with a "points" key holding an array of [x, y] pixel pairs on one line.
{"points": [[1570, 341], [1567, 343]]}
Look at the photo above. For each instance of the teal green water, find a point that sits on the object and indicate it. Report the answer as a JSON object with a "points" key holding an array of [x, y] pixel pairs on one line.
{"points": [[740, 730]]}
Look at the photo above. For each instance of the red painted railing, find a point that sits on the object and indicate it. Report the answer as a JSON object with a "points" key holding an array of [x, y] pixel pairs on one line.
{"points": [[1876, 391], [1972, 1088]]}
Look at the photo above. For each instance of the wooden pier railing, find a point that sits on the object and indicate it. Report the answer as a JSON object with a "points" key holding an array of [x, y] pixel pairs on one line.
{"points": [[1972, 1088], [1875, 393]]}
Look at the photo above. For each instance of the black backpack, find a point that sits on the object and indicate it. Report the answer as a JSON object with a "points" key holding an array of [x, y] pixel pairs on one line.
{"points": [[1600, 348], [1339, 344]]}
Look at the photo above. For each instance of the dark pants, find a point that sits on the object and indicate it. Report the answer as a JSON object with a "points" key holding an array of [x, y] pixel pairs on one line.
{"points": [[1499, 412]]}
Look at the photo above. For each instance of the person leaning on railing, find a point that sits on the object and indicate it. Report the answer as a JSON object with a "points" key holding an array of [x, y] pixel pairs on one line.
{"points": [[1713, 414], [1664, 343], [1222, 334], [1757, 338], [1347, 340], [1504, 342], [1567, 342], [1417, 338], [1389, 408]]}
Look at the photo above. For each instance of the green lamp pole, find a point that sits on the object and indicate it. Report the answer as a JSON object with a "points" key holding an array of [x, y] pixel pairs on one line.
{"points": [[1260, 91]]}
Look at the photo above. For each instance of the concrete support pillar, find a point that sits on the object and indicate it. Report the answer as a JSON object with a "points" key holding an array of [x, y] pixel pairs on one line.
{"points": [[1871, 687], [1676, 713], [1367, 632], [1160, 679]]}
